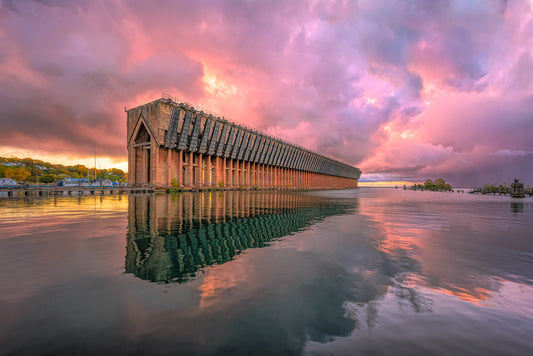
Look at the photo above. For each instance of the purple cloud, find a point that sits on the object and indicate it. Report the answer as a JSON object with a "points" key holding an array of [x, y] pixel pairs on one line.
{"points": [[401, 89]]}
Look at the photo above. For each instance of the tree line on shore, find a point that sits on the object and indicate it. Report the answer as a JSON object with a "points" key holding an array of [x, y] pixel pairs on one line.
{"points": [[36, 171]]}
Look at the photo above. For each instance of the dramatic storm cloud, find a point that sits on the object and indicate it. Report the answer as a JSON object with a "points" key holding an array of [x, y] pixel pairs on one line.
{"points": [[401, 89]]}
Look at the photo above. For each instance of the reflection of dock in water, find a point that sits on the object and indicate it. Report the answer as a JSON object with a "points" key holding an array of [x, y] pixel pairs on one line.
{"points": [[171, 237]]}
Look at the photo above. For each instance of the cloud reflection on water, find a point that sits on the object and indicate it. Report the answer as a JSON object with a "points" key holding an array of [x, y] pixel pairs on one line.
{"points": [[341, 272]]}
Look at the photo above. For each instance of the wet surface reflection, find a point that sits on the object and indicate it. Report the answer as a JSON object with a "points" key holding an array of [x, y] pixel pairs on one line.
{"points": [[328, 272], [171, 237], [517, 207]]}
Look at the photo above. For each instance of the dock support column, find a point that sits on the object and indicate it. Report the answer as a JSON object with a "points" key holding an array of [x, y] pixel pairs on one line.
{"points": [[219, 170], [209, 172], [241, 175], [180, 169], [198, 174], [190, 172], [222, 176], [168, 168], [252, 174], [229, 169], [247, 178], [261, 175]]}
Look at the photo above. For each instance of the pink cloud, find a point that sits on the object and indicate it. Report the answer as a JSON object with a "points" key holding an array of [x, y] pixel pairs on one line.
{"points": [[402, 89]]}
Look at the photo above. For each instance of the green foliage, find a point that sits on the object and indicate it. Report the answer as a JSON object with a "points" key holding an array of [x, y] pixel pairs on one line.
{"points": [[502, 189], [439, 182], [429, 185], [48, 178], [221, 184], [38, 168], [174, 183], [439, 185], [19, 174]]}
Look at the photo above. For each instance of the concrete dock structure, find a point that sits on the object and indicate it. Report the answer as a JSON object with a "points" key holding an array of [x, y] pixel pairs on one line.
{"points": [[174, 143]]}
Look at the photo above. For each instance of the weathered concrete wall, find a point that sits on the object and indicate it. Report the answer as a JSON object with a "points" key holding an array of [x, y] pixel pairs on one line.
{"points": [[173, 143]]}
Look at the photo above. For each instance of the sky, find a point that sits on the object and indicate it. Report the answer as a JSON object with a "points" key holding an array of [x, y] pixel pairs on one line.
{"points": [[403, 90]]}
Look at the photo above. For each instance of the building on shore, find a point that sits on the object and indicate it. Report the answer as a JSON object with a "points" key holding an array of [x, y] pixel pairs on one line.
{"points": [[517, 189], [8, 182], [173, 143]]}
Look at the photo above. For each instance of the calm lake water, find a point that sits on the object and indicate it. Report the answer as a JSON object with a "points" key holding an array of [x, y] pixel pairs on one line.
{"points": [[372, 271]]}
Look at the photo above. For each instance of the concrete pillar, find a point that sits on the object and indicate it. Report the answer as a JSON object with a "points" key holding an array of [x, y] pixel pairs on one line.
{"points": [[241, 173], [235, 173], [247, 175], [155, 164], [168, 168], [185, 169], [258, 175], [179, 173], [262, 168], [265, 176], [221, 171], [224, 171], [190, 172], [215, 176], [209, 181], [253, 174], [229, 167], [199, 171]]}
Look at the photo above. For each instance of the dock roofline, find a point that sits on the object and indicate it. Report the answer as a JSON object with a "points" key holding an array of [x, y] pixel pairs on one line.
{"points": [[217, 117]]}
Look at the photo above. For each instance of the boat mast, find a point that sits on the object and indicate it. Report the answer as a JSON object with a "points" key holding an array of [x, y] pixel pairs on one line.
{"points": [[94, 147]]}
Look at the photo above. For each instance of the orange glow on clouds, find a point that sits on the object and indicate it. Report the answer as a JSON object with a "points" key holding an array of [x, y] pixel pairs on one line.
{"points": [[412, 103], [101, 162], [384, 184]]}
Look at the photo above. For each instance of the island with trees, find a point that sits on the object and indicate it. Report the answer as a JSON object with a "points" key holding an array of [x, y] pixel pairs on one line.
{"points": [[439, 185]]}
